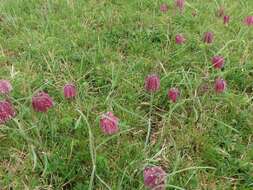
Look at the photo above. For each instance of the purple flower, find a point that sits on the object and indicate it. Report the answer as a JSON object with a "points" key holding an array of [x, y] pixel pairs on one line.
{"points": [[220, 85], [154, 178], [7, 111], [173, 94], [109, 123], [69, 91], [152, 83], [180, 39], [180, 4], [5, 87], [248, 20], [164, 7], [226, 19], [218, 62], [208, 37], [42, 102]]}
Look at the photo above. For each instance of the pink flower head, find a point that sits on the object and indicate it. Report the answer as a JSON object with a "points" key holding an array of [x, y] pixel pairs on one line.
{"points": [[173, 94], [5, 87], [69, 91], [154, 178], [42, 102], [208, 37], [164, 7], [218, 62], [248, 20], [7, 111], [226, 19], [221, 12], [152, 83], [180, 39], [109, 123], [220, 85], [180, 4]]}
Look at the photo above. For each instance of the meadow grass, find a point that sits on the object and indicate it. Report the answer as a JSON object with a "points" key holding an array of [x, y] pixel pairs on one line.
{"points": [[107, 48]]}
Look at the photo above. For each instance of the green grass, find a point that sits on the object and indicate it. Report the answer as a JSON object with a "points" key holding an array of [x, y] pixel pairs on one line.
{"points": [[108, 47]]}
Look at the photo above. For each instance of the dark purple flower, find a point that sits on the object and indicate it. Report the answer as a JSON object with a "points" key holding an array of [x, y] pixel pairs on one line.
{"points": [[109, 123], [180, 4], [5, 87], [173, 94], [248, 20], [180, 39], [7, 111], [152, 83], [226, 19], [69, 91], [154, 178], [220, 85], [218, 62], [208, 37], [42, 102], [164, 7]]}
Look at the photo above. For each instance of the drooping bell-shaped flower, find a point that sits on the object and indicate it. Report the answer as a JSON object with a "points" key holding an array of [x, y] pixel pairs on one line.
{"points": [[42, 102], [109, 123], [152, 83], [226, 19], [208, 37], [69, 91], [164, 7], [180, 4], [173, 94], [220, 85], [5, 87], [218, 62], [7, 111], [154, 178], [180, 39], [248, 21]]}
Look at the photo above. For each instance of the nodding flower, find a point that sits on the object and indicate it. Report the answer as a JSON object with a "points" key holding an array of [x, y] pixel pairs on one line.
{"points": [[248, 21], [208, 37], [220, 85], [173, 94], [164, 7], [7, 111], [69, 91], [180, 4], [218, 62], [109, 123], [154, 178], [152, 83], [41, 102], [180, 39], [5, 87]]}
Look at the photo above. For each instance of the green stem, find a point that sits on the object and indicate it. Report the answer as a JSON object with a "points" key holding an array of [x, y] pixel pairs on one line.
{"points": [[149, 120]]}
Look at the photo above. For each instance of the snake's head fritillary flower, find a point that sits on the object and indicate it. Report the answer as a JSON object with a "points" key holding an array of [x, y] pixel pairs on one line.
{"points": [[226, 19], [164, 7], [5, 87], [208, 37], [41, 102], [180, 39], [180, 4], [220, 85], [248, 21], [69, 91], [173, 94], [7, 111], [218, 62], [109, 123], [154, 178], [152, 83]]}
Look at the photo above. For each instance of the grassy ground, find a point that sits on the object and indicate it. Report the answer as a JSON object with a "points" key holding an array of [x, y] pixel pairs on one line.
{"points": [[108, 47]]}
